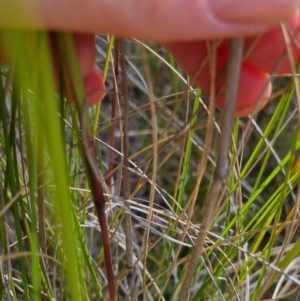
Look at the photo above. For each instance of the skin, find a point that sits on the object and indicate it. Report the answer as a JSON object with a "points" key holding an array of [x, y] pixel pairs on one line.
{"points": [[182, 26]]}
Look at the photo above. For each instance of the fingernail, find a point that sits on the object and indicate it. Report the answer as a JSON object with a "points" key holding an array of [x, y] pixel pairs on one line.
{"points": [[261, 12]]}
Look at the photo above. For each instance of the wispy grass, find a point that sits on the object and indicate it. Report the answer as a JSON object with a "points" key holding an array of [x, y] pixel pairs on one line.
{"points": [[50, 240]]}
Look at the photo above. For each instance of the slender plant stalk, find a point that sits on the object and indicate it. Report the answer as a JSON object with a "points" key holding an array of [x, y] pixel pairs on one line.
{"points": [[126, 175], [99, 201], [222, 168], [155, 163], [97, 184]]}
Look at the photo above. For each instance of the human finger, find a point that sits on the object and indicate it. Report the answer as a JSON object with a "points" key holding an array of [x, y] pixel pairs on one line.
{"points": [[261, 58], [92, 78], [167, 20], [94, 86], [86, 52], [254, 83], [268, 52]]}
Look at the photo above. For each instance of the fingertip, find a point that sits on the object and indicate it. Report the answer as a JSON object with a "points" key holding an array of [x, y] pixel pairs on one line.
{"points": [[170, 20], [267, 12], [254, 87], [269, 52]]}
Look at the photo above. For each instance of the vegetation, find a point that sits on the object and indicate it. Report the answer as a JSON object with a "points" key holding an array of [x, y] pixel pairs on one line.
{"points": [[145, 145]]}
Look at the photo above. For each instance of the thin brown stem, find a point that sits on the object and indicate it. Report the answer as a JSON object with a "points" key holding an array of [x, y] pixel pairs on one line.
{"points": [[97, 184], [126, 181], [155, 162], [222, 168]]}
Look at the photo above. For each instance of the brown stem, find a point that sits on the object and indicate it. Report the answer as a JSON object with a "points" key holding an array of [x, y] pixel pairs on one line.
{"points": [[99, 201], [222, 168], [126, 179]]}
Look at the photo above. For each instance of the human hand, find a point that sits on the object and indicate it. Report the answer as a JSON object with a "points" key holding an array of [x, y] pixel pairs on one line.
{"points": [[181, 25], [263, 55]]}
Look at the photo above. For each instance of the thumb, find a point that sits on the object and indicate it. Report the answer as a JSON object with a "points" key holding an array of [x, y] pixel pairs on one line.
{"points": [[158, 20]]}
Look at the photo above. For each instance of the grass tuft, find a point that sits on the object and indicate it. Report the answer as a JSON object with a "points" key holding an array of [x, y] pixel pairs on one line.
{"points": [[146, 158]]}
